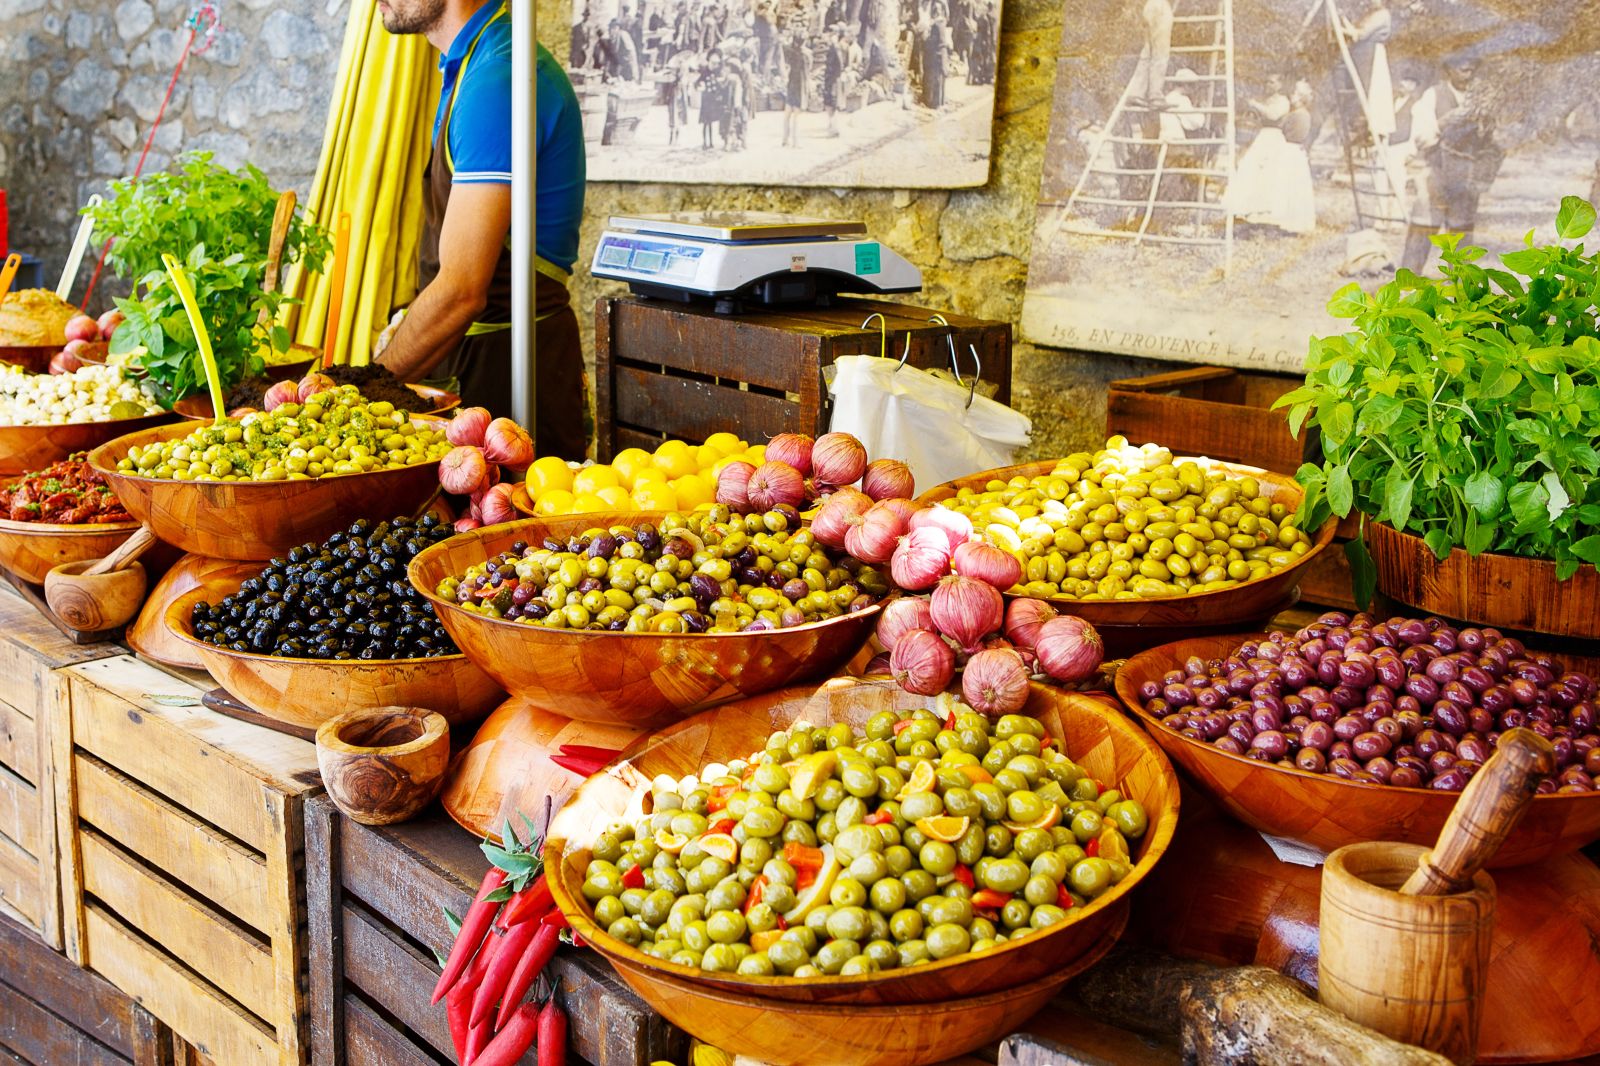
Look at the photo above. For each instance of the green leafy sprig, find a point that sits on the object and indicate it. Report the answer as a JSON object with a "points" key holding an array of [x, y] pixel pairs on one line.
{"points": [[1465, 410]]}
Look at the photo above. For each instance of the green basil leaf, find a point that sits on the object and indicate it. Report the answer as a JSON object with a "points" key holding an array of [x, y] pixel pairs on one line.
{"points": [[1479, 535], [1503, 383], [1485, 494], [1397, 497], [1565, 568], [1348, 302], [1528, 501], [1341, 493], [1363, 572], [1574, 218], [1438, 541], [1339, 422]]}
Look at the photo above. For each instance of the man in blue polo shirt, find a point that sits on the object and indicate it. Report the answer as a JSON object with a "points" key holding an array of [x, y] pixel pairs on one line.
{"points": [[459, 324]]}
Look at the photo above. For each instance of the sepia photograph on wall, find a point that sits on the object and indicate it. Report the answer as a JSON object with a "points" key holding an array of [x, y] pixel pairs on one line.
{"points": [[1217, 169], [838, 93]]}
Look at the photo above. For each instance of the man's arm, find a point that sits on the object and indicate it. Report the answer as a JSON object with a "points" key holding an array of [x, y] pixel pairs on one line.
{"points": [[470, 241]]}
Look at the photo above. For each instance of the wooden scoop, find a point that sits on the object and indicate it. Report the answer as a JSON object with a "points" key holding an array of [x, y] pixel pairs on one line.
{"points": [[1489, 808], [280, 232], [100, 594]]}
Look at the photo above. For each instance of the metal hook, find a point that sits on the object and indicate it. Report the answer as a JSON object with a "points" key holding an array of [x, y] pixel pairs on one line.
{"points": [[883, 342], [950, 339], [977, 371]]}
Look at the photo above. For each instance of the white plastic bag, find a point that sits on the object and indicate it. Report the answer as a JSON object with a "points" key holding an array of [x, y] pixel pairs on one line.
{"points": [[940, 429]]}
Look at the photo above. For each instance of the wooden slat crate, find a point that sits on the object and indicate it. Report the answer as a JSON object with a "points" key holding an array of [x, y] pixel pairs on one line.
{"points": [[1226, 414], [181, 839], [30, 651], [53, 1013], [674, 370], [375, 899]]}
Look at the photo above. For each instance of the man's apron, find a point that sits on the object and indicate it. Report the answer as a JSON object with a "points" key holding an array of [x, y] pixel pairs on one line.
{"points": [[482, 364]]}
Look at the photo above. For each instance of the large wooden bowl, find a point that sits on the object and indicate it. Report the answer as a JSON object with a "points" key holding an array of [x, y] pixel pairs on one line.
{"points": [[34, 358], [148, 634], [255, 520], [639, 679], [1104, 743], [28, 448], [308, 692], [198, 406], [32, 549], [1248, 601], [794, 1033], [1326, 811]]}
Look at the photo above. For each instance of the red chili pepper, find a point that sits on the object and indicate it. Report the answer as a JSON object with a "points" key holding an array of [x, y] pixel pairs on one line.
{"points": [[950, 721], [1092, 848], [534, 960], [726, 825], [963, 874], [513, 945], [990, 899], [514, 1040], [553, 1033], [782, 925], [532, 902], [1063, 898], [458, 1003], [554, 918], [474, 927], [477, 1037], [589, 751], [758, 888], [634, 878]]}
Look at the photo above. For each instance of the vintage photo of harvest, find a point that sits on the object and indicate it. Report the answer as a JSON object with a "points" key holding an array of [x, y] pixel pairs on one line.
{"points": [[840, 93], [1216, 169]]}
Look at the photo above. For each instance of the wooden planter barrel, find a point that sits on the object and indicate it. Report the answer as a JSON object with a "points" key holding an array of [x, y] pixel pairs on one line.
{"points": [[1506, 591]]}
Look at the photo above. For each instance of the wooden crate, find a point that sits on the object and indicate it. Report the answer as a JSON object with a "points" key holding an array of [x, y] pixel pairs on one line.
{"points": [[375, 899], [181, 836], [52, 1012], [30, 650], [674, 370], [1226, 414]]}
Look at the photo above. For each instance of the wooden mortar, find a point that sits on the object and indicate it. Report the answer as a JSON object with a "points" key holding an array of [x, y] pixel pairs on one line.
{"points": [[383, 765], [96, 594], [1406, 930]]}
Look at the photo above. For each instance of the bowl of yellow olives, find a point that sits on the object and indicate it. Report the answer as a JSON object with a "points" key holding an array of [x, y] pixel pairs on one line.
{"points": [[861, 844]]}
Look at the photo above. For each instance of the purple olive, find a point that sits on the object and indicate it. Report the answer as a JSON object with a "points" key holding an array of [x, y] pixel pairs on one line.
{"points": [[1546, 787], [1574, 775], [1405, 777], [1472, 640], [1311, 760], [1270, 686], [1345, 768], [1440, 761], [1450, 717], [1423, 688], [1229, 745], [1383, 635], [1339, 749], [1338, 636], [1328, 668], [1480, 720], [1370, 745], [1347, 698], [1390, 671], [1357, 671], [1510, 645], [1389, 727], [1523, 692], [1566, 751], [1318, 735], [1495, 699], [1411, 722], [1179, 695], [1411, 631], [1513, 718], [1210, 698], [1473, 748], [1243, 732], [1191, 732], [1194, 665], [1214, 726], [1443, 669], [1265, 720], [1270, 651], [1296, 725], [1477, 679], [1543, 728], [1408, 703], [1297, 672], [1452, 780], [1582, 717], [1495, 661], [1380, 768], [1273, 743], [1431, 740], [1444, 639], [1313, 650], [1349, 727], [1573, 790], [1457, 693]]}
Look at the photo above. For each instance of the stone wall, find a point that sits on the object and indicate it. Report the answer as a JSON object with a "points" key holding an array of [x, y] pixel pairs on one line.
{"points": [[79, 89]]}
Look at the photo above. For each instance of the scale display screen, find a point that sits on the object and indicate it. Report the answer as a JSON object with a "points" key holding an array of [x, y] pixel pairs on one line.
{"points": [[655, 258]]}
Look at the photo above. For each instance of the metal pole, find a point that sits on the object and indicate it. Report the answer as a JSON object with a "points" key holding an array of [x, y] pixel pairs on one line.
{"points": [[524, 161]]}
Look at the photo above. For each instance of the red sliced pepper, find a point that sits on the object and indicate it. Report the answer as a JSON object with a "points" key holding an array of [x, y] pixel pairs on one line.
{"points": [[532, 902], [950, 722], [1048, 741], [574, 764], [782, 924], [634, 878], [758, 889], [718, 798], [1063, 898], [726, 825], [532, 964], [513, 945], [902, 725], [474, 927], [514, 1040], [990, 899], [963, 874], [590, 752], [803, 856], [553, 1033], [1092, 848], [879, 817]]}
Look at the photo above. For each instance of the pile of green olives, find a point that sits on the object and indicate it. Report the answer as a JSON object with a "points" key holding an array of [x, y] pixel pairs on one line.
{"points": [[929, 835], [333, 432], [1128, 523], [711, 571]]}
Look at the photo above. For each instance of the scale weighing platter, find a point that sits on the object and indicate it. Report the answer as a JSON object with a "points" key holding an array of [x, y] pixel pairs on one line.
{"points": [[748, 258]]}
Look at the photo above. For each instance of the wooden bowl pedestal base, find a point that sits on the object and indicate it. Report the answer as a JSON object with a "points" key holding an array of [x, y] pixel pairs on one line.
{"points": [[507, 766], [148, 634], [1223, 896]]}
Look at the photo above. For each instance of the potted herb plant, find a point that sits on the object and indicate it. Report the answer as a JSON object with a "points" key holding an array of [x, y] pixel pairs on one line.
{"points": [[1461, 417], [220, 220]]}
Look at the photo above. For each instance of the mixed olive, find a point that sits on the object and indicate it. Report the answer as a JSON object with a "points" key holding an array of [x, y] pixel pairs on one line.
{"points": [[333, 432], [1129, 523], [708, 572], [932, 834], [347, 598]]}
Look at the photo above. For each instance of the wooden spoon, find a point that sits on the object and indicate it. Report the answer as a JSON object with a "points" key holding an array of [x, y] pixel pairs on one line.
{"points": [[126, 553], [280, 232], [1488, 810]]}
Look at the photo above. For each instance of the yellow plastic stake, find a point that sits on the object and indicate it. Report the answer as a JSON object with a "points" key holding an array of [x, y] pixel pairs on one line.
{"points": [[191, 307], [7, 272], [341, 271]]}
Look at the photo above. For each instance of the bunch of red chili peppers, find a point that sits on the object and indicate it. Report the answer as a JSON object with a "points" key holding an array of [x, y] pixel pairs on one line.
{"points": [[508, 936]]}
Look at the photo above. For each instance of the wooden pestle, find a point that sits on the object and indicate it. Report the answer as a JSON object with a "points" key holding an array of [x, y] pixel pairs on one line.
{"points": [[1489, 808], [126, 553]]}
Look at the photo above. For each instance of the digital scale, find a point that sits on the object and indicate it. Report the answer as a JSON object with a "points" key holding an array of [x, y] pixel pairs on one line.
{"points": [[752, 258]]}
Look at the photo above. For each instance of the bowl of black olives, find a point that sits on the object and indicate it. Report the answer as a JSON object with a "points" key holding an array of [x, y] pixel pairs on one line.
{"points": [[335, 626], [642, 618]]}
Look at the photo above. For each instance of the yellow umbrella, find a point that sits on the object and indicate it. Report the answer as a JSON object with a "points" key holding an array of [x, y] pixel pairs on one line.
{"points": [[374, 152]]}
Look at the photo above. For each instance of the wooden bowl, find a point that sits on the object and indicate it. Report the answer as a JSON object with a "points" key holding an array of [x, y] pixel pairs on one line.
{"points": [[790, 1033], [97, 603], [1104, 743], [383, 765], [1326, 811], [310, 357], [34, 358], [256, 520], [28, 448], [32, 549], [638, 679], [307, 692], [1250, 600], [1506, 591], [198, 406]]}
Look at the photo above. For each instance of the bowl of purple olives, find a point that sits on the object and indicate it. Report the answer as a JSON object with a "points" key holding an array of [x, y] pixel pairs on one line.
{"points": [[1355, 729]]}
